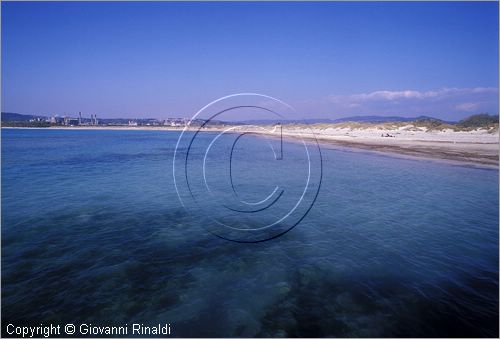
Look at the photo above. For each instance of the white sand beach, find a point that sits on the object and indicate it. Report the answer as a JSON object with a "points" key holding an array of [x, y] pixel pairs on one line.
{"points": [[476, 146]]}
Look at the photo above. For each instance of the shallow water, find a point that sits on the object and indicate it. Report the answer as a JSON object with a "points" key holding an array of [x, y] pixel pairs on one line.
{"points": [[93, 232]]}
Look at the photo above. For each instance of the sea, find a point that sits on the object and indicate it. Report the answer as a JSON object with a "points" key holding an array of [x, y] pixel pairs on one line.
{"points": [[96, 231]]}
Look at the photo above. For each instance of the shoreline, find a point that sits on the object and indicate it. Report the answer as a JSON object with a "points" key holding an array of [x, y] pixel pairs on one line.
{"points": [[429, 154], [466, 152], [416, 150]]}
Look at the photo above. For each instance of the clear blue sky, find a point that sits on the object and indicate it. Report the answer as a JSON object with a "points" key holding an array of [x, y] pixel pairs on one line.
{"points": [[330, 60]]}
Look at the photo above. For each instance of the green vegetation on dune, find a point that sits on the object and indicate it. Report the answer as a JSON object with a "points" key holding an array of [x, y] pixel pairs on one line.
{"points": [[479, 120], [433, 124]]}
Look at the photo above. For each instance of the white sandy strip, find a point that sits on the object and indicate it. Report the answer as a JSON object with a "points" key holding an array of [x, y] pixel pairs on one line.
{"points": [[477, 146]]}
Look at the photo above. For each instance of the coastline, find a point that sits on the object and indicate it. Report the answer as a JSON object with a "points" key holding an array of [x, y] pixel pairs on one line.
{"points": [[476, 148], [426, 152], [479, 155]]}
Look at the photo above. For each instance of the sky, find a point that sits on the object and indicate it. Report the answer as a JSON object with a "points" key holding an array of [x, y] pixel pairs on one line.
{"points": [[326, 59]]}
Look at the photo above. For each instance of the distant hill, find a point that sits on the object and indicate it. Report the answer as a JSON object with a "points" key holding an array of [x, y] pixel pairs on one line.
{"points": [[6, 116], [382, 119], [478, 120], [275, 121], [365, 118]]}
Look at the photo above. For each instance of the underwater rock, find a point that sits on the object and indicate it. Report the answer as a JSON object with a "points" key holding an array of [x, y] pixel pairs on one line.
{"points": [[283, 287], [346, 302], [305, 275], [280, 334]]}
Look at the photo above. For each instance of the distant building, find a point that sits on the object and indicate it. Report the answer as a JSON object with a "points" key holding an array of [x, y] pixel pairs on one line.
{"points": [[132, 123], [93, 120], [56, 120], [37, 119], [68, 121], [175, 122]]}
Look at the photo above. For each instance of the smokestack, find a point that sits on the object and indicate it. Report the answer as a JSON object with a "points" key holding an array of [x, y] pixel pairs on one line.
{"points": [[79, 118]]}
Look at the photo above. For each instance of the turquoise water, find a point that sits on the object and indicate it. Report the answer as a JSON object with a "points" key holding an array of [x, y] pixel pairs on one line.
{"points": [[93, 232]]}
